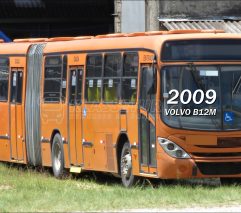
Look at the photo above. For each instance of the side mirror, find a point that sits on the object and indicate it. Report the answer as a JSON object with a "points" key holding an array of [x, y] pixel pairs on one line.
{"points": [[151, 80]]}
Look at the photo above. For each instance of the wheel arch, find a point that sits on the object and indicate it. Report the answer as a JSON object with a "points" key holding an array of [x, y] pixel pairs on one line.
{"points": [[121, 140], [54, 132]]}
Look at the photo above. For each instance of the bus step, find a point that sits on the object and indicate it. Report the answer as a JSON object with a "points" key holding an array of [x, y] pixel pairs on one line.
{"points": [[16, 161], [75, 169]]}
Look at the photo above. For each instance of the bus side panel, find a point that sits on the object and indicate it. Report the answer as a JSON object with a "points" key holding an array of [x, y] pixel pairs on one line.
{"points": [[53, 117], [4, 132], [46, 154], [89, 128], [132, 132], [106, 136]]}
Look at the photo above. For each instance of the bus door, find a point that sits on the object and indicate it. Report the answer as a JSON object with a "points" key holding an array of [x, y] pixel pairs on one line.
{"points": [[147, 131], [16, 116], [75, 114]]}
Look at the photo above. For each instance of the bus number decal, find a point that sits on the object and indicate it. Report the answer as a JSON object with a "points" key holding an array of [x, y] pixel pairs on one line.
{"points": [[186, 96], [76, 58], [148, 58]]}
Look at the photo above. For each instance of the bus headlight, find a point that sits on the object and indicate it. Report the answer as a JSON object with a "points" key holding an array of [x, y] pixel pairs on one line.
{"points": [[172, 149]]}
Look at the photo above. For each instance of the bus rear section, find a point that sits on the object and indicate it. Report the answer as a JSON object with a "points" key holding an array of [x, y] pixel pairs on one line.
{"points": [[200, 112], [12, 102]]}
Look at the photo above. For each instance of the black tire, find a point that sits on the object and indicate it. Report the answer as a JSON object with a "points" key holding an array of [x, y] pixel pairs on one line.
{"points": [[230, 181], [128, 179], [57, 156]]}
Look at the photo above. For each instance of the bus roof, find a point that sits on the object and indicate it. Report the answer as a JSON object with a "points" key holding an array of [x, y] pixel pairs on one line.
{"points": [[152, 42], [146, 40], [12, 48]]}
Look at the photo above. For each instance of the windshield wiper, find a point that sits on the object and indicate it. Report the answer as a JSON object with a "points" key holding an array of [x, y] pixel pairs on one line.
{"points": [[194, 76], [236, 88]]}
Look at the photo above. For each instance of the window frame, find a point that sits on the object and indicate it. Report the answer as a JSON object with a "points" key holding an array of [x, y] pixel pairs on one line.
{"points": [[102, 77], [130, 77], [60, 98], [79, 86], [64, 69], [119, 98], [7, 66], [86, 78]]}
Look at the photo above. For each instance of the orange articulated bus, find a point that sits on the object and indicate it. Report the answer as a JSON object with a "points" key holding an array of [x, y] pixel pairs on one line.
{"points": [[161, 105]]}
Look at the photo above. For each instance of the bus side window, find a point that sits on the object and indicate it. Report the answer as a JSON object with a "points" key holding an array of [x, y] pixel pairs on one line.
{"points": [[4, 76], [112, 74], [53, 79], [129, 79], [93, 82]]}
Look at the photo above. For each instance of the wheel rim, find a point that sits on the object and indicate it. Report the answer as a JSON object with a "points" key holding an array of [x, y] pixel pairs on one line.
{"points": [[57, 156], [126, 165]]}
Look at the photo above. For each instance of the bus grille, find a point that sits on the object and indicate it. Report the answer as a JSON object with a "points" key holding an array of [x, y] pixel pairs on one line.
{"points": [[227, 168], [231, 142], [225, 154]]}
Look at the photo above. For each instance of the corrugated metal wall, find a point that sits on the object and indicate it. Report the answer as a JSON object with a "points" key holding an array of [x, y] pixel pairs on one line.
{"points": [[227, 26]]}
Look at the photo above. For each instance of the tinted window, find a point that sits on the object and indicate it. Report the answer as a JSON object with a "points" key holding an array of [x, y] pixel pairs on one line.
{"points": [[111, 90], [16, 87], [112, 74], [144, 140], [93, 90], [79, 86], [53, 61], [129, 90], [52, 90], [75, 88], [54, 83], [147, 90], [13, 86], [72, 87], [152, 144], [112, 65], [93, 82], [129, 80], [4, 75], [20, 87], [53, 72], [64, 77], [202, 50], [130, 64], [94, 66]]}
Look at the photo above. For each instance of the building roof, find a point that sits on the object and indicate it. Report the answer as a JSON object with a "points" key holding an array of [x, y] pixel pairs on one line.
{"points": [[229, 26]]}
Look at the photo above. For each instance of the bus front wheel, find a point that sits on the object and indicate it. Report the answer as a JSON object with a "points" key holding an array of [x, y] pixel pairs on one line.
{"points": [[128, 179], [58, 156]]}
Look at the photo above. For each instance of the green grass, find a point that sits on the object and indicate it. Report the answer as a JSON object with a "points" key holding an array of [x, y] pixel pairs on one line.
{"points": [[24, 189]]}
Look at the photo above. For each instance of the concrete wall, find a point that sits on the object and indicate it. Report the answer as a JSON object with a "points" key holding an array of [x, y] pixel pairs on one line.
{"points": [[133, 16], [142, 15], [152, 14], [195, 9]]}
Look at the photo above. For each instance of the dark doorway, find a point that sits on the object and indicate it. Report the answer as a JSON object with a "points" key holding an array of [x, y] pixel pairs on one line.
{"points": [[51, 18]]}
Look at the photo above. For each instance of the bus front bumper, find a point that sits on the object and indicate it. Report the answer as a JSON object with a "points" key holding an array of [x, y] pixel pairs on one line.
{"points": [[173, 168]]}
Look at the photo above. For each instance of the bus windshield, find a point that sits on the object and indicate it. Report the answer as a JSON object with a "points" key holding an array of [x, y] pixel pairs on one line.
{"points": [[202, 97]]}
